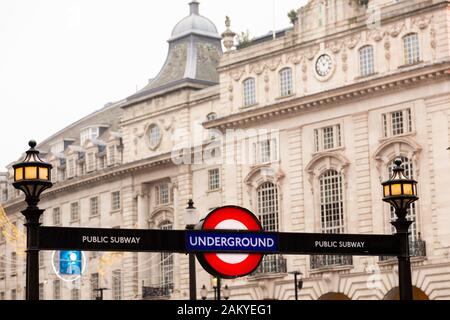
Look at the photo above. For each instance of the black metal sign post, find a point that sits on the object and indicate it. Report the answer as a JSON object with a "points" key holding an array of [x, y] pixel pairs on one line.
{"points": [[122, 240]]}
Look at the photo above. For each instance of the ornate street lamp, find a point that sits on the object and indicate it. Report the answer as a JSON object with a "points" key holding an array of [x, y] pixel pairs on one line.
{"points": [[204, 292], [191, 219], [216, 283], [400, 192], [298, 283], [32, 176], [226, 292]]}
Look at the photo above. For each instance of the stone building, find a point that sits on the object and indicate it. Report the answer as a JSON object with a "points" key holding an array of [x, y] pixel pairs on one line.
{"points": [[316, 117]]}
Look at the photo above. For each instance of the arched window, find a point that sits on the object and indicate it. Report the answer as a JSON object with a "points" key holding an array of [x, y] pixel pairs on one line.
{"points": [[268, 212], [331, 202], [412, 215], [249, 92], [268, 206], [286, 85], [366, 61], [411, 48], [166, 265], [331, 215]]}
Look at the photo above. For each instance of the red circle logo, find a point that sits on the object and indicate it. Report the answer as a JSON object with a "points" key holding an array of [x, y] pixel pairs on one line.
{"points": [[227, 265]]}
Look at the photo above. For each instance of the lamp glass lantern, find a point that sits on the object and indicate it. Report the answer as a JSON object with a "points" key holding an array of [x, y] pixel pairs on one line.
{"points": [[33, 175], [399, 191], [204, 292], [226, 292], [190, 215]]}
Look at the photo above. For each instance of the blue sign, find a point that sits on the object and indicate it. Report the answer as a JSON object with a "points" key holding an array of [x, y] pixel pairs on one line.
{"points": [[233, 242], [70, 263]]}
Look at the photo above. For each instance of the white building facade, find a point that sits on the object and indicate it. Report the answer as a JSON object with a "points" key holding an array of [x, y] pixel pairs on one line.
{"points": [[300, 129]]}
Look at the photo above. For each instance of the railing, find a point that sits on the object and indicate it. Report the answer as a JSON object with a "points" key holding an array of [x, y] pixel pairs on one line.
{"points": [[157, 292], [322, 261], [416, 249], [271, 264]]}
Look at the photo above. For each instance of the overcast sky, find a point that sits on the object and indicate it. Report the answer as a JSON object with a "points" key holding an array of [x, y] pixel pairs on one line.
{"points": [[60, 60]]}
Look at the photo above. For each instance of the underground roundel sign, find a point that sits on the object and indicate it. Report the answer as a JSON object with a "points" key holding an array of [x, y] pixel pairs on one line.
{"points": [[230, 265]]}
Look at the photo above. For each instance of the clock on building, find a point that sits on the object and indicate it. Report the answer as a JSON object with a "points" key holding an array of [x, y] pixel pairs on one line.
{"points": [[324, 66]]}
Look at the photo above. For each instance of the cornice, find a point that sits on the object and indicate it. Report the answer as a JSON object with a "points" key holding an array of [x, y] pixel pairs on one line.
{"points": [[350, 93], [292, 43], [99, 176]]}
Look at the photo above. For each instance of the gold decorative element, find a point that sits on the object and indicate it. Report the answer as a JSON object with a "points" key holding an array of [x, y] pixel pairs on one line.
{"points": [[13, 236], [107, 260]]}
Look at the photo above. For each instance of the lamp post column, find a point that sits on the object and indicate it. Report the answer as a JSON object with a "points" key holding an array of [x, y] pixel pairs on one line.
{"points": [[296, 286], [191, 220], [32, 214], [219, 288], [404, 262], [192, 274]]}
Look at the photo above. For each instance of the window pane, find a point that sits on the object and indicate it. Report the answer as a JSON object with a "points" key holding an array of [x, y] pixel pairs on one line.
{"points": [[166, 266], [249, 92], [155, 135], [115, 200], [328, 138], [94, 207], [74, 212], [397, 123], [332, 205], [286, 82], [268, 206], [411, 48], [214, 179], [366, 61]]}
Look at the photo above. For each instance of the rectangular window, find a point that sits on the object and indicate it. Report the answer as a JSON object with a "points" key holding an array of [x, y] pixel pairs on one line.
{"points": [[115, 201], [267, 151], [162, 194], [94, 286], [286, 84], [94, 209], [411, 48], [90, 133], [366, 61], [74, 212], [41, 259], [2, 267], [41, 291], [13, 263], [13, 294], [213, 179], [397, 123], [90, 162], [71, 168], [249, 92], [117, 284], [327, 138], [56, 216], [111, 155], [56, 290], [75, 294]]}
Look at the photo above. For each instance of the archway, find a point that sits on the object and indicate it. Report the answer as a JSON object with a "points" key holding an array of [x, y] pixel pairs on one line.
{"points": [[394, 294], [334, 296]]}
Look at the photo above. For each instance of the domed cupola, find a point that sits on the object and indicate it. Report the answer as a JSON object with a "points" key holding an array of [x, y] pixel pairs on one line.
{"points": [[195, 24], [194, 54]]}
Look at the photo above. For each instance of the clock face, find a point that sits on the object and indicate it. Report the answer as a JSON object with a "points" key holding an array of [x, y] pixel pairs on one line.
{"points": [[324, 65]]}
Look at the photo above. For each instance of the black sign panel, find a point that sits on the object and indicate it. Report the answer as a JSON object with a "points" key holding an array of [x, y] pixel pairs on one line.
{"points": [[51, 238], [346, 244], [117, 240]]}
